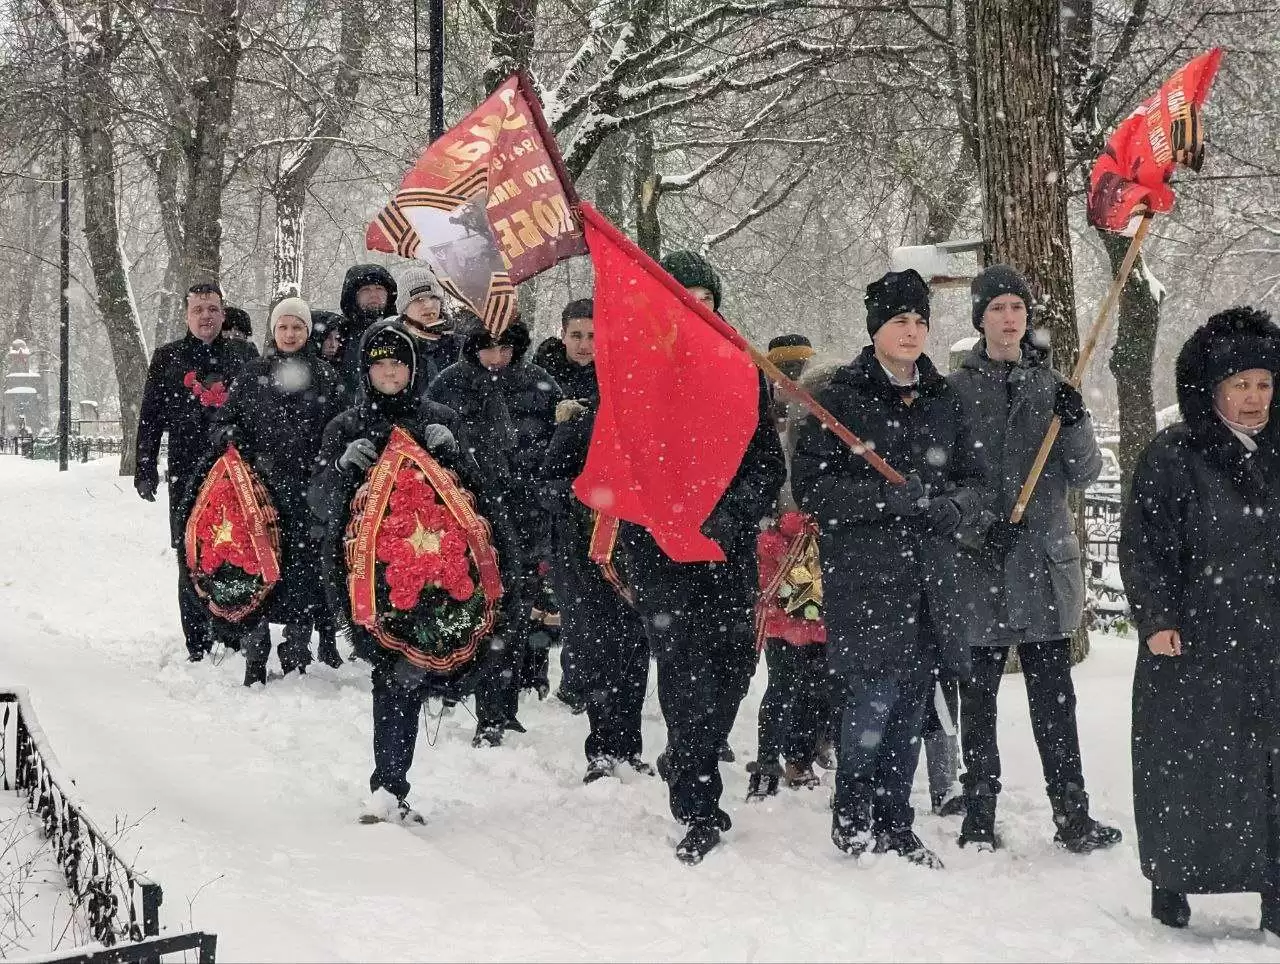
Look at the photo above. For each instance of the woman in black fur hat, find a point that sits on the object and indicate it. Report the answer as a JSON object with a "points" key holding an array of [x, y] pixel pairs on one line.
{"points": [[1200, 558]]}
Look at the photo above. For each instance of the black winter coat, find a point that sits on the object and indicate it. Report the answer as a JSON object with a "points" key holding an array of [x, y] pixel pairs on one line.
{"points": [[576, 381], [276, 416], [1200, 553], [330, 497], [187, 382], [893, 598], [355, 322]]}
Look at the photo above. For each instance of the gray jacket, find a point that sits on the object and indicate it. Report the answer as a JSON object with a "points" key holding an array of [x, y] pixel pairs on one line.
{"points": [[1041, 596]]}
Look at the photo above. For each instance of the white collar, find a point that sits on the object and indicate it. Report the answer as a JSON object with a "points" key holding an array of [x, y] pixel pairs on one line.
{"points": [[897, 382]]}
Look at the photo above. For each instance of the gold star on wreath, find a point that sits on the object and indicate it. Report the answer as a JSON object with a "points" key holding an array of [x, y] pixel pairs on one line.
{"points": [[424, 540], [806, 583], [224, 532]]}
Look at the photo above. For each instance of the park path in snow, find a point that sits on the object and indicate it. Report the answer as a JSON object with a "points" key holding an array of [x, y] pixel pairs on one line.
{"points": [[244, 802]]}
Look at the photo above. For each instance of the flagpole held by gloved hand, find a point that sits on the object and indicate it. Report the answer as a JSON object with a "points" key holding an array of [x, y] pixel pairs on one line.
{"points": [[1082, 363]]}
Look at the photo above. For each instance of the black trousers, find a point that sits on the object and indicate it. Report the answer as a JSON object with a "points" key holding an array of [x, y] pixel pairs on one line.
{"points": [[195, 618], [396, 713], [794, 709], [697, 617], [1046, 668], [294, 650], [614, 652]]}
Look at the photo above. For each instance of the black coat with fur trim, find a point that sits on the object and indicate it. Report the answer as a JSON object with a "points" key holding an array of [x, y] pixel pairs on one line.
{"points": [[1200, 553], [882, 572]]}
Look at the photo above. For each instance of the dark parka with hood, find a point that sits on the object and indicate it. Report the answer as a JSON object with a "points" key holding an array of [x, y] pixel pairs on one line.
{"points": [[1200, 553], [576, 381], [1039, 595], [356, 322], [879, 570]]}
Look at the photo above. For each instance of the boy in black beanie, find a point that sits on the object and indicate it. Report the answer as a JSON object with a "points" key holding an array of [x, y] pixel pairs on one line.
{"points": [[889, 560]]}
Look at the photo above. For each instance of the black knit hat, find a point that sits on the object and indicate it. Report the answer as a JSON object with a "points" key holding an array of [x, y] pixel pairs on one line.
{"points": [[388, 340], [692, 270], [237, 319], [999, 279], [895, 293]]}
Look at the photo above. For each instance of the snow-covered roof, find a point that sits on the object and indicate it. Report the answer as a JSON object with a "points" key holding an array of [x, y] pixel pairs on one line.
{"points": [[965, 344], [21, 390]]}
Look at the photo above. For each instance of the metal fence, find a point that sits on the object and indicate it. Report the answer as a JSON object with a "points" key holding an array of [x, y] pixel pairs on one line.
{"points": [[120, 904], [80, 448]]}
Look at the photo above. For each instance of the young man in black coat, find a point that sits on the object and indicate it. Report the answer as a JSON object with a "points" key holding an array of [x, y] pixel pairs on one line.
{"points": [[368, 295], [277, 412], [570, 358], [698, 616], [187, 382], [351, 445], [891, 563], [506, 414], [600, 621]]}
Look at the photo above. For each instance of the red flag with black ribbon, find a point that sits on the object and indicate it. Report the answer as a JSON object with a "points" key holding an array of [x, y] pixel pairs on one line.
{"points": [[487, 205], [1132, 176]]}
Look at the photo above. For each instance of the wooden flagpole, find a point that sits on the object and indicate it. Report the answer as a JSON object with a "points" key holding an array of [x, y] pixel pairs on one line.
{"points": [[1082, 362]]}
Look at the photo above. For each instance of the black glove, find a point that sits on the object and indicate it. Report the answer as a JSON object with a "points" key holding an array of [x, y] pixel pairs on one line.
{"points": [[943, 515], [359, 456], [1003, 536], [437, 439], [721, 527], [1068, 404], [903, 499], [146, 487], [223, 435]]}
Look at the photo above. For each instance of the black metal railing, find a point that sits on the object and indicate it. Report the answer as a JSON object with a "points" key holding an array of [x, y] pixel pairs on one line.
{"points": [[120, 904], [142, 952]]}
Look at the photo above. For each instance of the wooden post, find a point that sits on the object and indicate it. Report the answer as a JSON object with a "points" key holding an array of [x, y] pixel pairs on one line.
{"points": [[1082, 362]]}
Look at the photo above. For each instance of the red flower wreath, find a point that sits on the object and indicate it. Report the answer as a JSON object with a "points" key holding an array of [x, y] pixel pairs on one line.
{"points": [[221, 533], [422, 545]]}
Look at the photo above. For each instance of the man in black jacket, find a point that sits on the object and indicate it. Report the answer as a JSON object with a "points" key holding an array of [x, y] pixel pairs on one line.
{"points": [[506, 415], [187, 382], [698, 616], [368, 295]]}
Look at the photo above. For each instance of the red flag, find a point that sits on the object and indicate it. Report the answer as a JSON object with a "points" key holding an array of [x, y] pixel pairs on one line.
{"points": [[1132, 176], [679, 399], [488, 205]]}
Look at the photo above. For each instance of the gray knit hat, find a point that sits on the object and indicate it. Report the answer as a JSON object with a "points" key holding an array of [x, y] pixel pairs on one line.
{"points": [[417, 281]]}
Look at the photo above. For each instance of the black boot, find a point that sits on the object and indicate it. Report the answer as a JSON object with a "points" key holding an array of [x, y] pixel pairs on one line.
{"points": [[763, 781], [851, 821], [1171, 909], [1270, 912], [702, 838], [327, 651], [1077, 831], [979, 827], [255, 672]]}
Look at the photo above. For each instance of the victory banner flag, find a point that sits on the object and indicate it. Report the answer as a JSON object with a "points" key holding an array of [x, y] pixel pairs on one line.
{"points": [[487, 206], [1132, 176]]}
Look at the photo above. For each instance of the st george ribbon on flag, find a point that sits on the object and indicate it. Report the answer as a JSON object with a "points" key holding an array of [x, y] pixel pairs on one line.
{"points": [[487, 205]]}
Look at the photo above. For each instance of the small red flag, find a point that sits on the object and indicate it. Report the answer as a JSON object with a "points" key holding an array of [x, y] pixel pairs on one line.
{"points": [[1132, 176], [679, 399], [487, 205]]}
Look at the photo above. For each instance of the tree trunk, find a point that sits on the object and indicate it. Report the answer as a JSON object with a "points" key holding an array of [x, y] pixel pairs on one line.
{"points": [[102, 236], [1022, 156], [205, 145], [512, 47], [1022, 161], [298, 166], [170, 308], [611, 180], [647, 194], [1133, 357], [288, 260]]}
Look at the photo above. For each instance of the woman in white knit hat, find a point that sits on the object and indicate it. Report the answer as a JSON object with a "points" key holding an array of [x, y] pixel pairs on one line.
{"points": [[276, 416]]}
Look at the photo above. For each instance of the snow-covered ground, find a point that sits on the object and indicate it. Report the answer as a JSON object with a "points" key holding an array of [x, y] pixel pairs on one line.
{"points": [[245, 802]]}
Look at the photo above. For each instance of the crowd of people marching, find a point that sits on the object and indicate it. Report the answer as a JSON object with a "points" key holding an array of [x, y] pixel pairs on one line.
{"points": [[886, 613]]}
